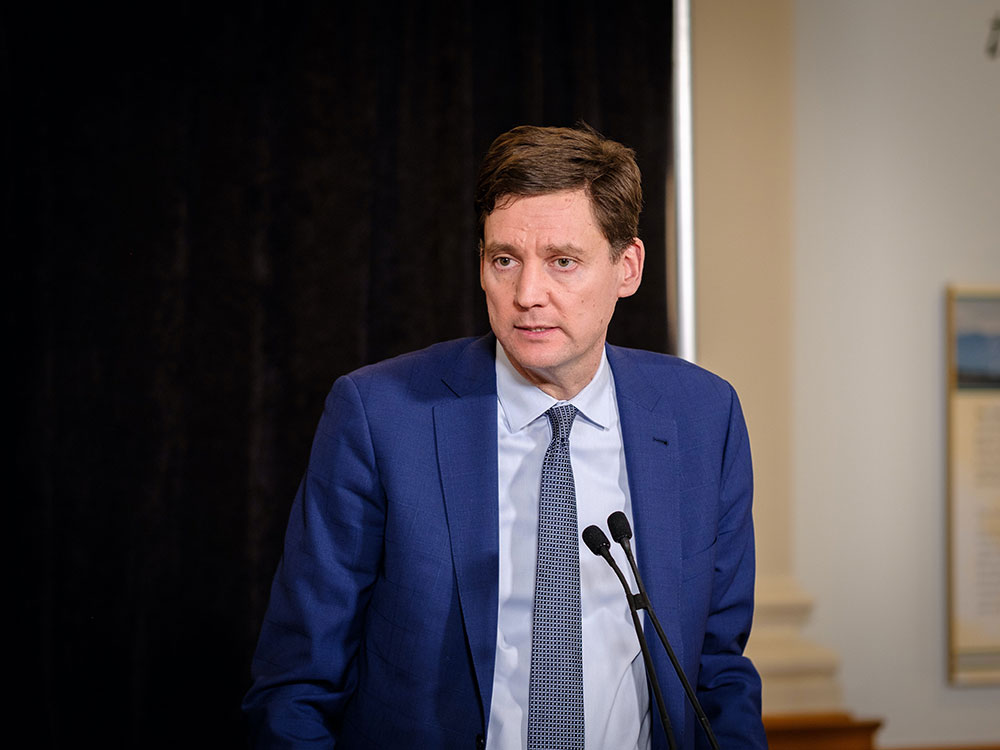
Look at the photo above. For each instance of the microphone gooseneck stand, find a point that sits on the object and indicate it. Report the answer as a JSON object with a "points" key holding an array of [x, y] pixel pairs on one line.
{"points": [[621, 532], [597, 541]]}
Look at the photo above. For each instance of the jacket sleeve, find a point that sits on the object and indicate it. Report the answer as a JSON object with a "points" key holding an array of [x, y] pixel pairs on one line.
{"points": [[305, 667], [728, 684]]}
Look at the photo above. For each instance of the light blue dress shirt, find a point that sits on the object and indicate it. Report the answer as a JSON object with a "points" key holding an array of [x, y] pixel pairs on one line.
{"points": [[616, 699]]}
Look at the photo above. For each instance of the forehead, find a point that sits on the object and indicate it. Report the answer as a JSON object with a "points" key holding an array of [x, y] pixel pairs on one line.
{"points": [[561, 218]]}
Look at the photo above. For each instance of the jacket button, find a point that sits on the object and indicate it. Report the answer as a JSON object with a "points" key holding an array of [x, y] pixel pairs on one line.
{"points": [[480, 742]]}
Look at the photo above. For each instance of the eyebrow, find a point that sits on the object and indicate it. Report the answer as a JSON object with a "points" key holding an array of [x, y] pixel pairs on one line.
{"points": [[500, 248]]}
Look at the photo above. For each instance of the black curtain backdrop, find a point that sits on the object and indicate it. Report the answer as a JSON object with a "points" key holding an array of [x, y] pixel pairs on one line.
{"points": [[207, 217]]}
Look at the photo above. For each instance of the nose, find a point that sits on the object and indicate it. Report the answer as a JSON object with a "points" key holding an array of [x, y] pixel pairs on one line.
{"points": [[531, 287]]}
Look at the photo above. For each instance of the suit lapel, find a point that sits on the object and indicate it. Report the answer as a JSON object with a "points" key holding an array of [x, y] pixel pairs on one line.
{"points": [[466, 435], [649, 434]]}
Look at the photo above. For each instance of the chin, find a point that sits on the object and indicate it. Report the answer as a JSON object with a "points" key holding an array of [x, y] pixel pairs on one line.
{"points": [[535, 361]]}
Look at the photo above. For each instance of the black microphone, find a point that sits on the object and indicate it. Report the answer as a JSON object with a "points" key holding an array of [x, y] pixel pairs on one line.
{"points": [[597, 541], [621, 532]]}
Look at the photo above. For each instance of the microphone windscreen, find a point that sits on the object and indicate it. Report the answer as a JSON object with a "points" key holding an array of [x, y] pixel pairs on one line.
{"points": [[596, 540], [619, 526]]}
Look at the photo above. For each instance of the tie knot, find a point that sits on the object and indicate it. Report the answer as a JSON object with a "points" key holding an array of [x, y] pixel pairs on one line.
{"points": [[561, 418]]}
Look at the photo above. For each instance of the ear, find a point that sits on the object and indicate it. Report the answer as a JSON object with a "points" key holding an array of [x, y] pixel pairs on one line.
{"points": [[631, 262]]}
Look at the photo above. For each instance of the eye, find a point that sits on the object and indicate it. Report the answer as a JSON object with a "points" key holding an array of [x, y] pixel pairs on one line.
{"points": [[564, 262], [503, 261]]}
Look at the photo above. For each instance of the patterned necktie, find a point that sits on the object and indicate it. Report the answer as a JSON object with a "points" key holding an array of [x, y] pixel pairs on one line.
{"points": [[555, 688]]}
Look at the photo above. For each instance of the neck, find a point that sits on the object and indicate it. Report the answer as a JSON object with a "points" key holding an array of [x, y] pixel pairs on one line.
{"points": [[562, 385]]}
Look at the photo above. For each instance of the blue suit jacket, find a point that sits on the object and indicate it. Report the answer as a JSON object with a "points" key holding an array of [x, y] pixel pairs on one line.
{"points": [[381, 629]]}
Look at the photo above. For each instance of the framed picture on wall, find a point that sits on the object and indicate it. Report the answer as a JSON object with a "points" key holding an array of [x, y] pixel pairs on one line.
{"points": [[974, 485]]}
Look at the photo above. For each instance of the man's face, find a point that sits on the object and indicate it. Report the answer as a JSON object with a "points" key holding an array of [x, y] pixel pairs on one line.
{"points": [[551, 287]]}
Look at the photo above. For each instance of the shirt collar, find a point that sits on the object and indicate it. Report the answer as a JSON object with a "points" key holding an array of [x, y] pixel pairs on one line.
{"points": [[522, 403]]}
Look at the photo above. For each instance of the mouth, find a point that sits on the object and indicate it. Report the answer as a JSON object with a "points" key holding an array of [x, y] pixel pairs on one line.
{"points": [[534, 329], [538, 334]]}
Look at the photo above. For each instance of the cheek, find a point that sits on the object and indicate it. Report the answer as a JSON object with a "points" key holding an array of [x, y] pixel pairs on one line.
{"points": [[596, 311], [490, 288], [587, 313], [497, 297]]}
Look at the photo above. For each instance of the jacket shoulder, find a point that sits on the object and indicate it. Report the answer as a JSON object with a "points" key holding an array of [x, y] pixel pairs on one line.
{"points": [[666, 372], [452, 367]]}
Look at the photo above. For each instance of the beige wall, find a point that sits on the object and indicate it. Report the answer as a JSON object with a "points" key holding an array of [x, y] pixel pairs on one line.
{"points": [[742, 111], [897, 179]]}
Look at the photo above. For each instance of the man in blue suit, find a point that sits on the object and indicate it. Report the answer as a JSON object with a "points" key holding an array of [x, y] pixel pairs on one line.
{"points": [[401, 613]]}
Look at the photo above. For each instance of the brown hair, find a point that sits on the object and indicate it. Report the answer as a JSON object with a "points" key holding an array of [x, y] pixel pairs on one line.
{"points": [[530, 160]]}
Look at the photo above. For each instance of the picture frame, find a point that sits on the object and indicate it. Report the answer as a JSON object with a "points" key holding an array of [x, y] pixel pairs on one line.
{"points": [[973, 484]]}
